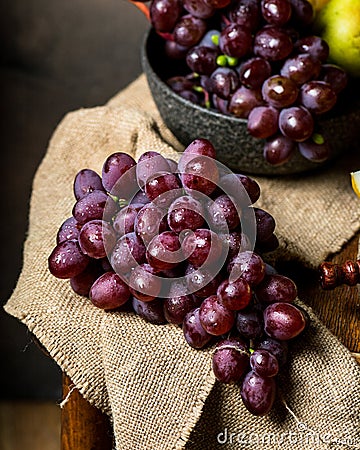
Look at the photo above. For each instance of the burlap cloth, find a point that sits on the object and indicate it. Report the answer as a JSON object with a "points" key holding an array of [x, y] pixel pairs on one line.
{"points": [[160, 393]]}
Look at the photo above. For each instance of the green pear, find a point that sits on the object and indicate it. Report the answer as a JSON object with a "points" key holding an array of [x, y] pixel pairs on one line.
{"points": [[318, 4], [338, 22]]}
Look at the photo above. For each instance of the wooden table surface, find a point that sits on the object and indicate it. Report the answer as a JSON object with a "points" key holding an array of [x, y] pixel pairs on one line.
{"points": [[84, 427]]}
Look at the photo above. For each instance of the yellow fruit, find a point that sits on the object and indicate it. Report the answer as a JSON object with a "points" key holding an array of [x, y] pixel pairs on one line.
{"points": [[338, 22], [355, 182], [318, 4]]}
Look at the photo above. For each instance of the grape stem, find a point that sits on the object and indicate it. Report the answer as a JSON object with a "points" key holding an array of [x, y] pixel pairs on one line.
{"points": [[225, 20], [207, 99], [192, 76], [166, 36], [123, 202], [231, 347], [200, 89]]}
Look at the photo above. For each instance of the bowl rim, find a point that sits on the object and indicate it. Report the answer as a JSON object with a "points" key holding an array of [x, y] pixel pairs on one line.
{"points": [[148, 68]]}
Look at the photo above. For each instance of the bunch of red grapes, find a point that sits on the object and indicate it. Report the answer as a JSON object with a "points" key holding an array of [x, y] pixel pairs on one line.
{"points": [[173, 242], [256, 60]]}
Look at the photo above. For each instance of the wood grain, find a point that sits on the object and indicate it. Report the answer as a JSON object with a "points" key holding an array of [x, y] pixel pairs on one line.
{"points": [[339, 310], [83, 427]]}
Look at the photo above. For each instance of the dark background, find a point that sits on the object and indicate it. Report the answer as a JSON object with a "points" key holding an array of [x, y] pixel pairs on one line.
{"points": [[56, 56]]}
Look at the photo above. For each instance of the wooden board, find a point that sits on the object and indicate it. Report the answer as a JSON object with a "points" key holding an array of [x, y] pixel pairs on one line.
{"points": [[82, 425]]}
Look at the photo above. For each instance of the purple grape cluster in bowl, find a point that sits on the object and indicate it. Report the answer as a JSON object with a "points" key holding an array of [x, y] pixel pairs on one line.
{"points": [[257, 61]]}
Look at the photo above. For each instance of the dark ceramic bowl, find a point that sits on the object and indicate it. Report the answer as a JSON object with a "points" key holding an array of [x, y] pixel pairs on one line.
{"points": [[234, 146]]}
